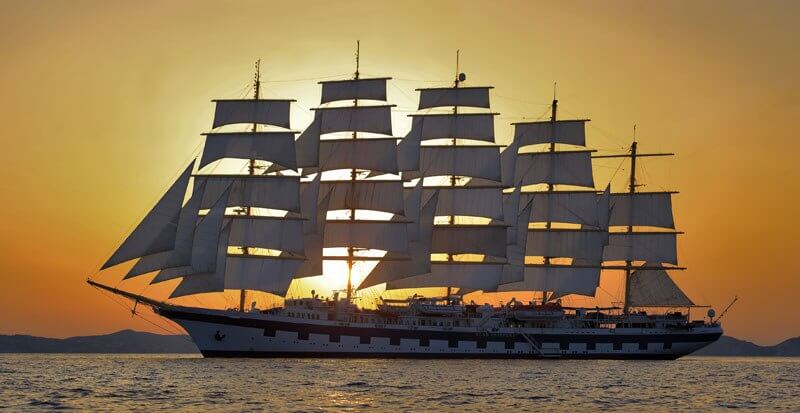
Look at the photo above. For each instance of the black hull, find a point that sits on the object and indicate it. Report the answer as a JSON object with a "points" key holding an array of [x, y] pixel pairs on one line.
{"points": [[426, 356]]}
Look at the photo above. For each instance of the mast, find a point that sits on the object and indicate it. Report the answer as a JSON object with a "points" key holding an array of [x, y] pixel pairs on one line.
{"points": [[631, 190], [630, 222], [550, 186], [352, 189], [251, 169], [453, 178]]}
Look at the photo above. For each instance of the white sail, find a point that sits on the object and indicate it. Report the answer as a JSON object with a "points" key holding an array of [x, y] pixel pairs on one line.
{"points": [[604, 208], [469, 239], [412, 208], [275, 233], [468, 201], [306, 146], [511, 209], [566, 207], [181, 254], [571, 243], [275, 147], [471, 161], [309, 199], [408, 151], [419, 250], [206, 282], [372, 119], [655, 288], [656, 247], [508, 163], [206, 236], [514, 269], [467, 275], [313, 241], [642, 208], [262, 111], [560, 279], [475, 126], [351, 89], [385, 196], [156, 232], [557, 168], [205, 241], [262, 191], [269, 274], [476, 97], [571, 132], [371, 154], [379, 235]]}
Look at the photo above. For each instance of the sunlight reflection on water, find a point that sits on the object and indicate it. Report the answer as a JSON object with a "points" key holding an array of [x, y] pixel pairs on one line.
{"points": [[168, 382]]}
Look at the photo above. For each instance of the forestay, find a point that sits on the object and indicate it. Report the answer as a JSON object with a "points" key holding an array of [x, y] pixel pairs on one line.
{"points": [[262, 111], [277, 147]]}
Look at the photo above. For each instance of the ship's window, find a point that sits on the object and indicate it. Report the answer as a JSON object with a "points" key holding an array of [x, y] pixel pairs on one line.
{"points": [[642, 345], [667, 345], [481, 343], [617, 345], [590, 346], [452, 343], [563, 345], [365, 340], [509, 345], [424, 342], [395, 341]]}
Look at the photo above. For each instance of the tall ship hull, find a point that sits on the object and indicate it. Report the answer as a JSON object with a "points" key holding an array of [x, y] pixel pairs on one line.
{"points": [[236, 334], [445, 206]]}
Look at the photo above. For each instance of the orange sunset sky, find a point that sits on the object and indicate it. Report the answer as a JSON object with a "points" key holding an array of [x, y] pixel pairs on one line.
{"points": [[102, 103]]}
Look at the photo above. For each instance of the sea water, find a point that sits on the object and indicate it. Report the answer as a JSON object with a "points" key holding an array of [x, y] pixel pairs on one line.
{"points": [[106, 382]]}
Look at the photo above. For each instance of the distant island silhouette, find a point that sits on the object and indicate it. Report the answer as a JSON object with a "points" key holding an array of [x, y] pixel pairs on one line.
{"points": [[129, 341]]}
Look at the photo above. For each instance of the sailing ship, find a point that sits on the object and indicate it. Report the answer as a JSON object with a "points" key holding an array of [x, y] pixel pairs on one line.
{"points": [[443, 206]]}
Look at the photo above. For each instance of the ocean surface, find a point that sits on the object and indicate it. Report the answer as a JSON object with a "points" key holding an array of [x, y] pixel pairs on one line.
{"points": [[104, 382]]}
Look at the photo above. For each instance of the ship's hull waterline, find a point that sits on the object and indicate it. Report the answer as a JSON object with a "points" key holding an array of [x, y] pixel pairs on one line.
{"points": [[237, 334]]}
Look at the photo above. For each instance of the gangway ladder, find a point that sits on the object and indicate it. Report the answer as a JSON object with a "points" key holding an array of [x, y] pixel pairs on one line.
{"points": [[535, 347]]}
